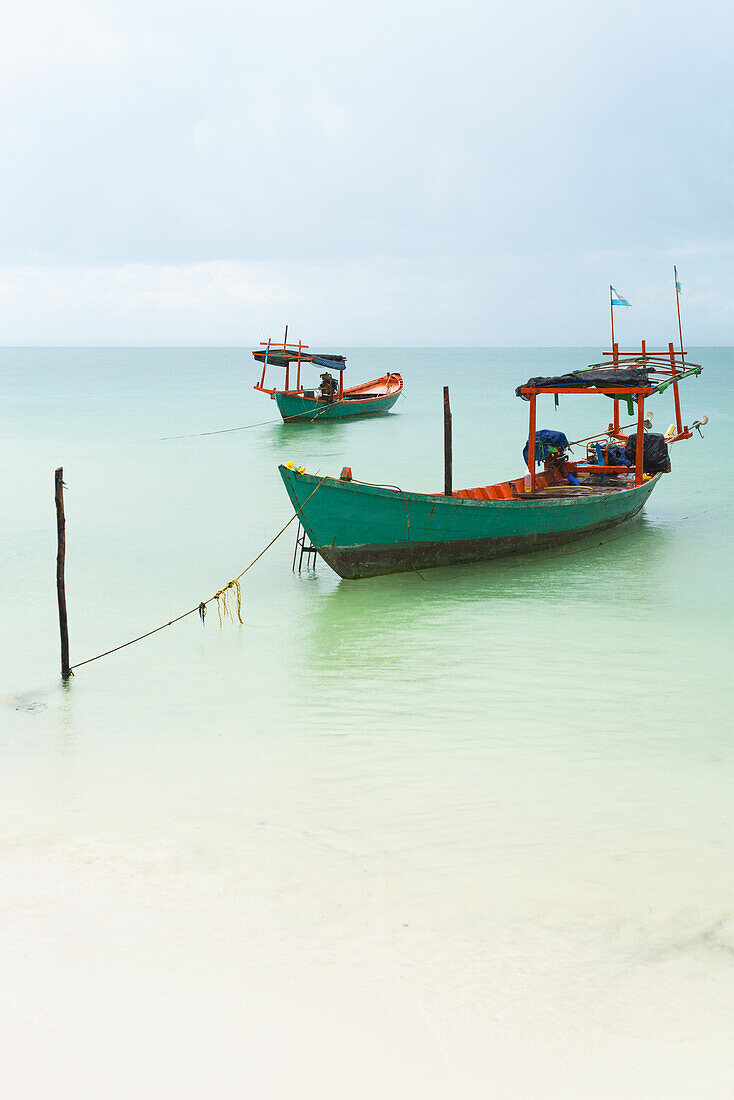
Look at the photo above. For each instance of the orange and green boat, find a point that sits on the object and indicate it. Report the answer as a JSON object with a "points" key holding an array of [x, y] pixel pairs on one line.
{"points": [[330, 400], [365, 530]]}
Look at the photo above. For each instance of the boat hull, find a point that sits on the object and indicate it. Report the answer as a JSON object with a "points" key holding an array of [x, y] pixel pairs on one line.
{"points": [[293, 406], [366, 531]]}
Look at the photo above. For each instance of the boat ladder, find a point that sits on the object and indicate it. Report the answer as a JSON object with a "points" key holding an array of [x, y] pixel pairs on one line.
{"points": [[307, 550]]}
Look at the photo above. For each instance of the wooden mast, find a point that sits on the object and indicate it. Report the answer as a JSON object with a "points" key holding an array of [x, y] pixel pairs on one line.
{"points": [[615, 358], [678, 421]]}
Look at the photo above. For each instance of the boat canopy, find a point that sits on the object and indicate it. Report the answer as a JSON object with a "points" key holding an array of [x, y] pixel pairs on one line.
{"points": [[623, 378], [276, 357]]}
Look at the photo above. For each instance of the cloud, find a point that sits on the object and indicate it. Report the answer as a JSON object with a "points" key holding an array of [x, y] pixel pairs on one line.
{"points": [[545, 299], [398, 137]]}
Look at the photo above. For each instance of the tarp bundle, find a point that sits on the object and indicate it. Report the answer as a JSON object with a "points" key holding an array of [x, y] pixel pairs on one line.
{"points": [[547, 443], [623, 379], [655, 458], [336, 362]]}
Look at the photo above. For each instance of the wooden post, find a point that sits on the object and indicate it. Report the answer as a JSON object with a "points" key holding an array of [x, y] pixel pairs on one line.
{"points": [[640, 437], [531, 443], [60, 558], [447, 452]]}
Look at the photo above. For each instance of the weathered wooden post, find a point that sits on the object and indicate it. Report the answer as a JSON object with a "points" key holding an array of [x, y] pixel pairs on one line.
{"points": [[447, 453], [60, 557]]}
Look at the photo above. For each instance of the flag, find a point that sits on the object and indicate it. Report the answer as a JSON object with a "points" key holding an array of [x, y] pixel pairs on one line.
{"points": [[617, 299], [678, 287]]}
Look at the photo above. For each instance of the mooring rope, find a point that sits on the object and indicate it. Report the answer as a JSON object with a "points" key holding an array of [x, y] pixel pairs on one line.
{"points": [[222, 597], [224, 609], [259, 423], [264, 423]]}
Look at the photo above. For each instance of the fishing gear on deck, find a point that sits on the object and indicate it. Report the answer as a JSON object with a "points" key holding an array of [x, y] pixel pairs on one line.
{"points": [[655, 457]]}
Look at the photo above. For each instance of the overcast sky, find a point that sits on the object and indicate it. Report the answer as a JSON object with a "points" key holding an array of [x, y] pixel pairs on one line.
{"points": [[370, 173]]}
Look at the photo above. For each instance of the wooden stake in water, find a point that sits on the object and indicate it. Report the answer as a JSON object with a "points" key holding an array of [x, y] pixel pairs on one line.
{"points": [[60, 559], [447, 453]]}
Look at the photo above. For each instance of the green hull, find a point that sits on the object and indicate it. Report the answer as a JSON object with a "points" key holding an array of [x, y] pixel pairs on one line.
{"points": [[363, 530], [295, 407]]}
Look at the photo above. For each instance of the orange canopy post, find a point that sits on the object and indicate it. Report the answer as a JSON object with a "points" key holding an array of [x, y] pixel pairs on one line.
{"points": [[639, 451], [531, 442], [676, 397]]}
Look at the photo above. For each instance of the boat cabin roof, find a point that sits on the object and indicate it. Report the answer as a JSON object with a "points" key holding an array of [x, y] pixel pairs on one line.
{"points": [[278, 355], [639, 372]]}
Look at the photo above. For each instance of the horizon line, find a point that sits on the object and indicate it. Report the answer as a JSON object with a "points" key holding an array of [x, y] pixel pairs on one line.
{"points": [[371, 347]]}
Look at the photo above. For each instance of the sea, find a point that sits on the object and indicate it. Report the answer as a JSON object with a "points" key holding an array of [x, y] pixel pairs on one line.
{"points": [[459, 835]]}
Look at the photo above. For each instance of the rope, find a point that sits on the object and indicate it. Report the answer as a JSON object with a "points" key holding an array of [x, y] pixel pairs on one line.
{"points": [[221, 596], [257, 424], [375, 485], [234, 584], [263, 423]]}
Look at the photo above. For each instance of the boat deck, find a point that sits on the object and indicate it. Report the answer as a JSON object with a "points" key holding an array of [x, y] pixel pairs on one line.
{"points": [[546, 488]]}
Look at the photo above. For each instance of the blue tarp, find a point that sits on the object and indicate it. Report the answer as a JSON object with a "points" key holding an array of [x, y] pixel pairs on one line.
{"points": [[617, 457], [335, 362], [547, 443]]}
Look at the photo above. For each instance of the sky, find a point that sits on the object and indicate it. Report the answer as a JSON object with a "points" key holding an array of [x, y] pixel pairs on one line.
{"points": [[385, 173]]}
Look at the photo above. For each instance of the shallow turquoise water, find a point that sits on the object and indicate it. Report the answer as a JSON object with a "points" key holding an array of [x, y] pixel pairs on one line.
{"points": [[474, 832]]}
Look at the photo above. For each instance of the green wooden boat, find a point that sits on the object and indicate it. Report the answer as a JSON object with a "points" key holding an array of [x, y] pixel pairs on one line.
{"points": [[364, 530], [367, 530], [330, 400]]}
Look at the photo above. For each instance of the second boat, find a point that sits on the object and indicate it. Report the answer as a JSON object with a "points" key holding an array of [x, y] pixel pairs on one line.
{"points": [[329, 400]]}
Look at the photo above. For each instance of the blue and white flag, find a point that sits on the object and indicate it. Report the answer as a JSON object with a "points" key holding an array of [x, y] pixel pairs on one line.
{"points": [[618, 300], [678, 287]]}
